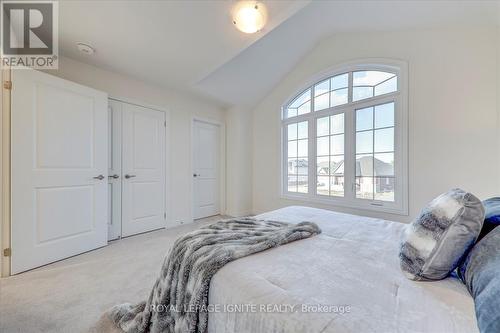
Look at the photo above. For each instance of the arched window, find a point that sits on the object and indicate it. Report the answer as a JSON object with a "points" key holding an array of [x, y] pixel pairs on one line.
{"points": [[345, 139]]}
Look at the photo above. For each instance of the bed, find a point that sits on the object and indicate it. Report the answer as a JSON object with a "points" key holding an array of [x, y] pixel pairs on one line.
{"points": [[347, 279]]}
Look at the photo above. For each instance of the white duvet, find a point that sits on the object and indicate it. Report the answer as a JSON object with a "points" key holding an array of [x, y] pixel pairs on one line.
{"points": [[345, 280]]}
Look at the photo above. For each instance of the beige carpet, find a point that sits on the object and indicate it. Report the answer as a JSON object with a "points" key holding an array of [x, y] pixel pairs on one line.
{"points": [[70, 295]]}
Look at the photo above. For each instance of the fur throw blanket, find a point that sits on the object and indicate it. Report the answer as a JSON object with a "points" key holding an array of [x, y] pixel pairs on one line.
{"points": [[179, 299]]}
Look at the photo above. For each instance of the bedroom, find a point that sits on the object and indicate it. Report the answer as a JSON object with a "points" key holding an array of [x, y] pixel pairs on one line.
{"points": [[151, 120]]}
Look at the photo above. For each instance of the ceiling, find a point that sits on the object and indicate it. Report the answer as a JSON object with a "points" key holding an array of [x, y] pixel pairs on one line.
{"points": [[173, 44], [192, 46]]}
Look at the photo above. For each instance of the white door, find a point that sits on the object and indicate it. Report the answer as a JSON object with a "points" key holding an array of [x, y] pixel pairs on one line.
{"points": [[143, 169], [206, 169], [59, 169], [114, 170]]}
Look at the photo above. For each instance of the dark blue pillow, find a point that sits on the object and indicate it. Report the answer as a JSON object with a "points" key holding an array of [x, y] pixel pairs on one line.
{"points": [[481, 273], [491, 217]]}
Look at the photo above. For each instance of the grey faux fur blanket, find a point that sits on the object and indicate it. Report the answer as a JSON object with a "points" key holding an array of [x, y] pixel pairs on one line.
{"points": [[179, 299]]}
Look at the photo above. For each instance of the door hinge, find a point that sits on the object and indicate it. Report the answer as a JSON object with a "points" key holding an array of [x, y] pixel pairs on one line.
{"points": [[7, 85], [7, 252]]}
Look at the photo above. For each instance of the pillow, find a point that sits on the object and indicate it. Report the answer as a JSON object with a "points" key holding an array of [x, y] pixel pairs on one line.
{"points": [[435, 242], [481, 273], [492, 216]]}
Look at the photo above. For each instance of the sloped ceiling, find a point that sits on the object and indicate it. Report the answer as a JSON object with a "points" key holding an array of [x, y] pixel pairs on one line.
{"points": [[173, 44], [248, 77], [192, 46]]}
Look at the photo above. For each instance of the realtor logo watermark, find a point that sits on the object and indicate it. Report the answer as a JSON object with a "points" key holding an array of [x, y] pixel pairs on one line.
{"points": [[29, 35]]}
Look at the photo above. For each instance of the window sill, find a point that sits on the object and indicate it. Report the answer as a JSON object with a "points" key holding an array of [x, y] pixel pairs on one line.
{"points": [[373, 206]]}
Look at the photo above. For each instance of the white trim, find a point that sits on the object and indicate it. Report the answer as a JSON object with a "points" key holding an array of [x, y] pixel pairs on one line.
{"points": [[5, 172], [222, 163], [388, 65], [167, 149], [400, 98]]}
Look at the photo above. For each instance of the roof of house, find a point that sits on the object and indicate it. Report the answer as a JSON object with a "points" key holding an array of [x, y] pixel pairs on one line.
{"points": [[364, 167]]}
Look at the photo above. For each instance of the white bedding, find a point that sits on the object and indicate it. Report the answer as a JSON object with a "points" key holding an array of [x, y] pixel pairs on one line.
{"points": [[353, 263]]}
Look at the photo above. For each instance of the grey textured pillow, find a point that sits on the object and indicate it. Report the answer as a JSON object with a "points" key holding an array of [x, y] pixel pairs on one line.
{"points": [[481, 273], [444, 232]]}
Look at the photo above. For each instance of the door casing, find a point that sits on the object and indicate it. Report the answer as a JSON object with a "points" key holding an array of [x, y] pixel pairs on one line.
{"points": [[5, 174]]}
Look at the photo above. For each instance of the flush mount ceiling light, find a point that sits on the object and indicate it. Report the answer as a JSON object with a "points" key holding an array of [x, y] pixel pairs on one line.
{"points": [[249, 16], [85, 48]]}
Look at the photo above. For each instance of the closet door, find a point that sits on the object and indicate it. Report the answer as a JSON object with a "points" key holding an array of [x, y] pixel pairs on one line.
{"points": [[59, 169], [143, 169]]}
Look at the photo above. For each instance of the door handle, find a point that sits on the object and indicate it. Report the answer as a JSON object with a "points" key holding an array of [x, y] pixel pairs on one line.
{"points": [[129, 176], [100, 177], [195, 175], [114, 176]]}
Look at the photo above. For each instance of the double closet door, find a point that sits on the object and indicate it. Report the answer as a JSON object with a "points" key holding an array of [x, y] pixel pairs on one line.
{"points": [[136, 175]]}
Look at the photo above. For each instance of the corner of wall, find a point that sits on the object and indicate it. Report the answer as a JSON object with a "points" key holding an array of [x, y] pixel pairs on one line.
{"points": [[239, 162]]}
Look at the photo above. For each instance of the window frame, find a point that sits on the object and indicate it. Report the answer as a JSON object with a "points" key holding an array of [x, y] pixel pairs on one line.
{"points": [[400, 99]]}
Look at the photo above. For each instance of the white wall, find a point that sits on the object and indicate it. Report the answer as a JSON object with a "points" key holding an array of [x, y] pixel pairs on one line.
{"points": [[453, 131], [239, 166], [182, 107]]}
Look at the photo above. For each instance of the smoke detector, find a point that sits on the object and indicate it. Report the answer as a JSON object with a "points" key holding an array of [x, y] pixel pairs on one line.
{"points": [[85, 48]]}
